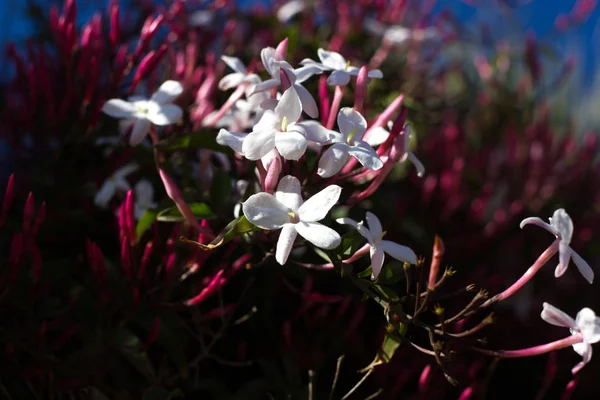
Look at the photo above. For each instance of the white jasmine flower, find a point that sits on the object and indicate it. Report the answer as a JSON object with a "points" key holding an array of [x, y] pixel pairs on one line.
{"points": [[273, 65], [144, 198], [116, 181], [287, 211], [141, 112], [561, 226], [587, 324], [279, 129], [240, 75], [377, 246], [290, 9], [352, 127], [398, 34], [377, 136], [342, 70]]}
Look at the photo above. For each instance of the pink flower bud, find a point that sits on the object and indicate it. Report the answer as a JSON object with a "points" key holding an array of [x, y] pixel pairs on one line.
{"points": [[9, 196], [424, 379], [28, 213], [562, 22], [281, 49], [130, 216], [170, 264], [214, 285], [146, 257], [70, 12], [272, 177], [148, 65], [39, 219], [582, 9], [467, 394], [126, 258], [114, 26], [324, 101], [361, 89]]}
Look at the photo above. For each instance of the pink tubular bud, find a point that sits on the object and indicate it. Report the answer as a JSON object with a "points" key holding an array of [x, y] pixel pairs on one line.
{"points": [[122, 222], [241, 262], [272, 177], [9, 196], [214, 285], [70, 12], [582, 9], [362, 81], [569, 389], [324, 102], [424, 379], [28, 213], [281, 49], [170, 264], [126, 258], [436, 260], [114, 26], [39, 219], [148, 251], [148, 65], [285, 80], [130, 216], [148, 32], [467, 394]]}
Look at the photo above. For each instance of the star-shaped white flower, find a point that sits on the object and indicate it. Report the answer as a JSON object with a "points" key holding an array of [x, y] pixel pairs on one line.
{"points": [[141, 113], [116, 181], [587, 324], [398, 34], [352, 126], [561, 226], [240, 75], [287, 211], [376, 245], [342, 70], [274, 65], [144, 198], [280, 129], [377, 136]]}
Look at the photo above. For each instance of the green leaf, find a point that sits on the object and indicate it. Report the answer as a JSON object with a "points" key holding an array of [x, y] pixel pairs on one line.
{"points": [[388, 348], [132, 349], [202, 139], [172, 214], [235, 228], [351, 242], [322, 254], [145, 222], [366, 273], [387, 293]]}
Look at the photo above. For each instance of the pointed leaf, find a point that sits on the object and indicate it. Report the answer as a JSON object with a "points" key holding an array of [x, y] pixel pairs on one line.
{"points": [[145, 222], [172, 214]]}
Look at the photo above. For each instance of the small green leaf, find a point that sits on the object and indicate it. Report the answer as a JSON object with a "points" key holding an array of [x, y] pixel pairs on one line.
{"points": [[322, 254], [366, 273], [202, 139], [235, 228], [145, 222], [388, 348], [172, 214]]}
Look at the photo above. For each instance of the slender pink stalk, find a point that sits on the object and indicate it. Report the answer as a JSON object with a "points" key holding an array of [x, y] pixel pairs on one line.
{"points": [[235, 96], [359, 253], [285, 80], [436, 260], [536, 350], [272, 177], [361, 89], [335, 106], [324, 101], [530, 273], [175, 195], [147, 65]]}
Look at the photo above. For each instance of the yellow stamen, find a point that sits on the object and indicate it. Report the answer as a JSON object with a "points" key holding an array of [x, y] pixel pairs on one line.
{"points": [[293, 217], [284, 124], [351, 136], [382, 235], [347, 65]]}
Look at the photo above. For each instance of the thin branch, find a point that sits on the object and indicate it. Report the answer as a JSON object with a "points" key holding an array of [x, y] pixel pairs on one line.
{"points": [[336, 376], [355, 388]]}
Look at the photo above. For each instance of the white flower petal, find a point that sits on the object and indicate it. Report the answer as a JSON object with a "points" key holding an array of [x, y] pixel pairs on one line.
{"points": [[139, 132], [263, 86], [564, 256], [167, 114], [583, 267], [235, 140], [333, 160], [285, 243], [554, 316], [235, 64], [167, 92], [267, 159], [331, 59], [538, 221], [317, 207], [125, 170], [118, 108], [399, 252], [376, 136], [338, 78], [105, 194], [268, 121], [305, 72], [291, 145], [365, 155], [347, 221], [319, 234], [377, 258], [289, 192], [289, 107], [374, 224], [309, 105], [375, 73], [258, 143], [265, 211], [584, 349], [366, 233], [562, 223], [350, 120], [290, 9], [266, 55], [231, 80], [144, 192], [417, 163], [589, 325], [314, 131]]}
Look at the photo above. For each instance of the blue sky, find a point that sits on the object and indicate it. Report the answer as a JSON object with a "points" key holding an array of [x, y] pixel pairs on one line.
{"points": [[537, 15]]}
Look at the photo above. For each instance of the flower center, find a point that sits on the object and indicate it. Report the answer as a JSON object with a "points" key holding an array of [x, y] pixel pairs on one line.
{"points": [[284, 123], [293, 217], [347, 65], [382, 235]]}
